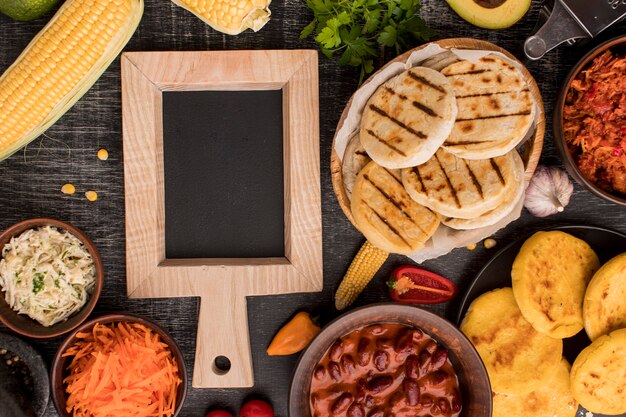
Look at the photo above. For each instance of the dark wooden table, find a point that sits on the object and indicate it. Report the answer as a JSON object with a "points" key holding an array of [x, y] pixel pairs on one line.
{"points": [[30, 181]]}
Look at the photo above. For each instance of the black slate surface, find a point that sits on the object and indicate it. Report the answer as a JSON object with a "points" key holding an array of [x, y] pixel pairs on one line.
{"points": [[30, 181], [223, 162]]}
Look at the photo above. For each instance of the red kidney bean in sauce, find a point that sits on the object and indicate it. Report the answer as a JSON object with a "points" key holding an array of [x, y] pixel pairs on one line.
{"points": [[376, 369]]}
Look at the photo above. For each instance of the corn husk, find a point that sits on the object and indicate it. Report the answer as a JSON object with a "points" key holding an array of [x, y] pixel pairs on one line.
{"points": [[257, 14], [82, 85]]}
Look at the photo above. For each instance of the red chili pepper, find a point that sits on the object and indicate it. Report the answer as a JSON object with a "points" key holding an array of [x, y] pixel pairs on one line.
{"points": [[412, 285], [617, 151]]}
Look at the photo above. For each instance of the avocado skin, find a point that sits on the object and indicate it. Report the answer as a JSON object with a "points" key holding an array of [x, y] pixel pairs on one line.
{"points": [[503, 16]]}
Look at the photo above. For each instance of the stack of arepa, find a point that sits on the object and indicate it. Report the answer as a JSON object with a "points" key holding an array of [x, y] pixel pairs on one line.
{"points": [[558, 289], [437, 146]]}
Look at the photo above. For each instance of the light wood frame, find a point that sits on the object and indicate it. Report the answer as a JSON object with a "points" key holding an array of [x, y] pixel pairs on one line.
{"points": [[222, 284]]}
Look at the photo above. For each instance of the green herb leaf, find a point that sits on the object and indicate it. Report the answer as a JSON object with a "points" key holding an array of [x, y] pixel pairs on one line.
{"points": [[38, 283], [388, 36], [355, 29], [308, 29]]}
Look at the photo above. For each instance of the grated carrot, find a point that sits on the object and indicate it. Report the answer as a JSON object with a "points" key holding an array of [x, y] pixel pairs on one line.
{"points": [[121, 370]]}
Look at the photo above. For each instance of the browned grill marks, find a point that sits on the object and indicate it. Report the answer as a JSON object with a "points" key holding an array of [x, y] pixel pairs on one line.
{"points": [[384, 142], [424, 81], [417, 104], [479, 71], [393, 176], [393, 229], [469, 142], [496, 116], [492, 94], [409, 129], [393, 92], [425, 109], [452, 189], [474, 180], [496, 168], [416, 171], [399, 205]]}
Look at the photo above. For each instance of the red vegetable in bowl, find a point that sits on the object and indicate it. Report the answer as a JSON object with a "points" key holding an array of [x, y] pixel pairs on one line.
{"points": [[412, 285]]}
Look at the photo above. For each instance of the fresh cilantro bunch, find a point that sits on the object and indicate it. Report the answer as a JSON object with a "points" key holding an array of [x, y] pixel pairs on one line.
{"points": [[358, 30]]}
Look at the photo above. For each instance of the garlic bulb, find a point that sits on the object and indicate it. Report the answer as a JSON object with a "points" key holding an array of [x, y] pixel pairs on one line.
{"points": [[549, 191]]}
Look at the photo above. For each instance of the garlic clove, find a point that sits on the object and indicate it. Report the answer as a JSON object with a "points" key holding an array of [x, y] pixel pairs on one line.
{"points": [[549, 191]]}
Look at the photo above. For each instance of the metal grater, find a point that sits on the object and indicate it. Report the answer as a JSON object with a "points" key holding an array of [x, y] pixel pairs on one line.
{"points": [[573, 19]]}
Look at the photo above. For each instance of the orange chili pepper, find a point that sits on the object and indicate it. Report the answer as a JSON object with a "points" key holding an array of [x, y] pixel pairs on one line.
{"points": [[294, 336]]}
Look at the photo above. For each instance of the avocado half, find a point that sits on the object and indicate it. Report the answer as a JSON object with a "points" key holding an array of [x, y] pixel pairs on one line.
{"points": [[491, 14]]}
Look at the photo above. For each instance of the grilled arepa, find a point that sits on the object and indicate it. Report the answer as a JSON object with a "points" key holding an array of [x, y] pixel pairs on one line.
{"points": [[385, 213], [517, 357], [463, 188], [553, 399], [495, 108], [511, 199], [408, 118], [604, 306], [599, 374], [550, 276], [354, 160]]}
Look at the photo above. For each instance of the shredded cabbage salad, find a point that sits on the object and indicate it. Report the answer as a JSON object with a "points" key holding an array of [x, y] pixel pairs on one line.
{"points": [[47, 274]]}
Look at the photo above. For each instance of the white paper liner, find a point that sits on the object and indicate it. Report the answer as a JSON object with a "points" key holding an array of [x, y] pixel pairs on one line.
{"points": [[445, 238]]}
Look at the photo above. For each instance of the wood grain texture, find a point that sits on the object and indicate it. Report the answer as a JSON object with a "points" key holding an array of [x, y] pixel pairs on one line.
{"points": [[530, 152], [30, 182], [222, 285]]}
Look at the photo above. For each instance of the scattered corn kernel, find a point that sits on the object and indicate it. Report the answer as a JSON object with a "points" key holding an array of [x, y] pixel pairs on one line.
{"points": [[103, 154], [364, 266], [471, 247], [68, 189], [489, 243], [91, 195]]}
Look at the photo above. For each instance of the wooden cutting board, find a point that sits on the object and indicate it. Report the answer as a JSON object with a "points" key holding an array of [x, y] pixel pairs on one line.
{"points": [[222, 284]]}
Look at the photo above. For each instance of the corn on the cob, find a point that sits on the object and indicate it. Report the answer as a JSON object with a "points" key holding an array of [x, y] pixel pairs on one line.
{"points": [[364, 266], [230, 16], [60, 64]]}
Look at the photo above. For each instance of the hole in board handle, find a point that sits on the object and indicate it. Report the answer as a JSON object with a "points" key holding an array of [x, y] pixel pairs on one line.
{"points": [[221, 365]]}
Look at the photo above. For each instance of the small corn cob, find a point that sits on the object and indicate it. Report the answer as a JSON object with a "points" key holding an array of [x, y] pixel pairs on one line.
{"points": [[230, 16], [60, 64], [364, 266]]}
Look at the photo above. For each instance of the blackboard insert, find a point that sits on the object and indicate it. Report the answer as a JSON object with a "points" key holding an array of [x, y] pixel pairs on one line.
{"points": [[224, 174]]}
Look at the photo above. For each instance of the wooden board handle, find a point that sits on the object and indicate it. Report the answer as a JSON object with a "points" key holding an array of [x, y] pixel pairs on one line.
{"points": [[223, 334]]}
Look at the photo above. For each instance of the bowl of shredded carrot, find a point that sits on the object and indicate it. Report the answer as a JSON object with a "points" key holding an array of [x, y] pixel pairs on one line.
{"points": [[590, 121], [118, 365]]}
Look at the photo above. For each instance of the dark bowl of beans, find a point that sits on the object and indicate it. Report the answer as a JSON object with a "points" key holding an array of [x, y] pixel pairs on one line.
{"points": [[390, 359]]}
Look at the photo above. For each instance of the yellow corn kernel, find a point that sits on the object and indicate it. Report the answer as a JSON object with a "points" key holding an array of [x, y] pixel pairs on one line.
{"points": [[103, 154], [471, 247], [229, 16], [68, 189], [364, 266], [91, 195], [60, 64], [489, 243]]}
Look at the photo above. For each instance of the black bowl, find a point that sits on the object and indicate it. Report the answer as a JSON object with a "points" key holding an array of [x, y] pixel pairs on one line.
{"points": [[619, 45]]}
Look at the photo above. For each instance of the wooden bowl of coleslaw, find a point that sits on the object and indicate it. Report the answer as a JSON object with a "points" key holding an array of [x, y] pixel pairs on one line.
{"points": [[55, 262]]}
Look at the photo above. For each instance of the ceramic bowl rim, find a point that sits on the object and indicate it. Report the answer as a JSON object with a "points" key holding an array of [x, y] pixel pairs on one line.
{"points": [[58, 362], [559, 140], [62, 327]]}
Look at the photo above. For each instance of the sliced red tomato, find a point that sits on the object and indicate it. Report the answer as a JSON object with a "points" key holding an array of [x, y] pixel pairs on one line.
{"points": [[411, 285]]}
